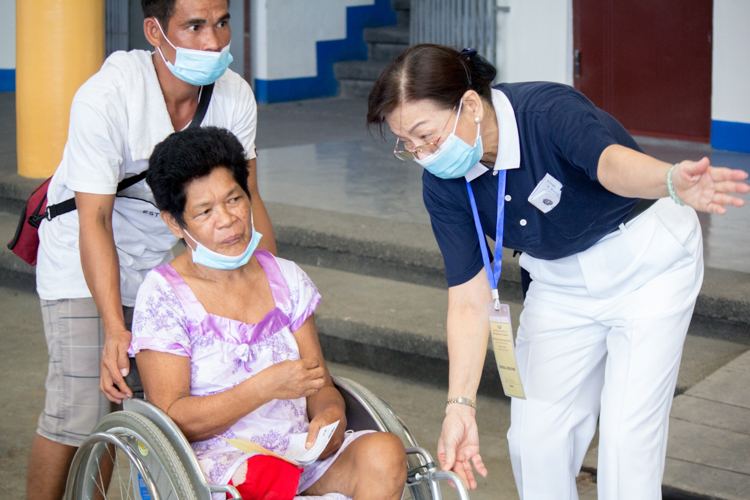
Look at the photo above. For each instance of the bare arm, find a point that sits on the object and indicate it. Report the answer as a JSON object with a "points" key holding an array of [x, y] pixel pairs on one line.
{"points": [[260, 215], [326, 406], [468, 331], [166, 382], [101, 269], [630, 173]]}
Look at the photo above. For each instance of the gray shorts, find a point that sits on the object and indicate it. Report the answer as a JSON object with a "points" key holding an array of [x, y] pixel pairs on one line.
{"points": [[75, 338]]}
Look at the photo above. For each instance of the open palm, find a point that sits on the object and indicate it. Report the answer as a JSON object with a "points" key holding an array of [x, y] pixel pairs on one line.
{"points": [[706, 188]]}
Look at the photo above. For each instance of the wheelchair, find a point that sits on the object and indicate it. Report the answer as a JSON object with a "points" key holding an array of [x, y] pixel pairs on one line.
{"points": [[150, 459]]}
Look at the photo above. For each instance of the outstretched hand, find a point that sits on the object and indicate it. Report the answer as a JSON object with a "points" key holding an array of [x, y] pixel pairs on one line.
{"points": [[706, 188], [458, 447]]}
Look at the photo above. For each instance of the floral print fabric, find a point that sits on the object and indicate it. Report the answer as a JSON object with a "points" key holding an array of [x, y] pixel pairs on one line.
{"points": [[224, 352]]}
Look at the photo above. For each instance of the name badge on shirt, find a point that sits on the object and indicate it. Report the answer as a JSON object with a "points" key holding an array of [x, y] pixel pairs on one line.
{"points": [[546, 194], [505, 355]]}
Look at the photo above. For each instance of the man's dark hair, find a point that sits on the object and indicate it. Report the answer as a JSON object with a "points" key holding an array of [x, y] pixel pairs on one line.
{"points": [[162, 10], [188, 155]]}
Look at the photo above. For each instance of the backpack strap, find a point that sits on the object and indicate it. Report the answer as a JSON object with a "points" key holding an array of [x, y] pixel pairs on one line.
{"points": [[69, 205], [200, 111]]}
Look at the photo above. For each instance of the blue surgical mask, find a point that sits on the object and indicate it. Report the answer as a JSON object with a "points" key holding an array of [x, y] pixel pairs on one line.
{"points": [[209, 258], [454, 158], [197, 67]]}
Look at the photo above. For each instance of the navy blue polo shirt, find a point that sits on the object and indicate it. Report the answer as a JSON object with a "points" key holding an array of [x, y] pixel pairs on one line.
{"points": [[560, 133]]}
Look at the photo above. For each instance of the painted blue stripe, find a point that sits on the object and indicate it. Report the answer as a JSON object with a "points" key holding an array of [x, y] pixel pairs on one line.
{"points": [[7, 80], [730, 136], [351, 48]]}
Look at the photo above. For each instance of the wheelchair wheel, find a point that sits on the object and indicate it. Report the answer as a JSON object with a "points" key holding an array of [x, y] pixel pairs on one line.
{"points": [[385, 419], [146, 466]]}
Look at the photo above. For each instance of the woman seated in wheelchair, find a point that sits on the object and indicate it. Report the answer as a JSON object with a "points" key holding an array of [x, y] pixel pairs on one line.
{"points": [[226, 344]]}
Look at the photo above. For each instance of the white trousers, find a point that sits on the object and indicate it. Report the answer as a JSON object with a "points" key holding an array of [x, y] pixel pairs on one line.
{"points": [[601, 335]]}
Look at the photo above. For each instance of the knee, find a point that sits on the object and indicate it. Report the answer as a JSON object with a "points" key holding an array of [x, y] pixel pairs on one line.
{"points": [[386, 460]]}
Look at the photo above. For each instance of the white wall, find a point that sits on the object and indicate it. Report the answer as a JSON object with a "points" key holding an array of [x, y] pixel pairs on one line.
{"points": [[731, 61], [285, 33], [535, 41], [8, 34]]}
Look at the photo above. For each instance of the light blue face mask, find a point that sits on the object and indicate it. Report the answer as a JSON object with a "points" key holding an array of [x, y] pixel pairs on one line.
{"points": [[209, 258], [454, 157], [197, 67]]}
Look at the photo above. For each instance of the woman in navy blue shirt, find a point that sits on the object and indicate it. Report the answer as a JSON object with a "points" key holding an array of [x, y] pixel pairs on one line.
{"points": [[610, 241]]}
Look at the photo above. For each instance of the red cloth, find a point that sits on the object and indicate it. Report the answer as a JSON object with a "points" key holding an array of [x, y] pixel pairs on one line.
{"points": [[269, 478]]}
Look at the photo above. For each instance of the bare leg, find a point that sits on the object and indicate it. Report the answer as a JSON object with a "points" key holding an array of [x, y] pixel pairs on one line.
{"points": [[48, 469], [49, 463], [371, 468]]}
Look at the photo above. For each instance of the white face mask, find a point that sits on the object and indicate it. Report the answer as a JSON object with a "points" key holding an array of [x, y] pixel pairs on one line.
{"points": [[197, 67], [454, 158], [214, 260]]}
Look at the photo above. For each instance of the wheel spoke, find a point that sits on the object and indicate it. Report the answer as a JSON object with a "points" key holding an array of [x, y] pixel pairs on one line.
{"points": [[130, 480], [100, 484], [116, 467]]}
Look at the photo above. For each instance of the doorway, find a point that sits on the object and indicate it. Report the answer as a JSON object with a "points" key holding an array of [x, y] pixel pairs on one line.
{"points": [[647, 63]]}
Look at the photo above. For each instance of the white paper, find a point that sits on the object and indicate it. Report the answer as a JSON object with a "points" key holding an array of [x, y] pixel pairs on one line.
{"points": [[296, 450]]}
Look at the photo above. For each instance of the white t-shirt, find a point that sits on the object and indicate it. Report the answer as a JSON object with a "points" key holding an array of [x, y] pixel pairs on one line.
{"points": [[117, 118]]}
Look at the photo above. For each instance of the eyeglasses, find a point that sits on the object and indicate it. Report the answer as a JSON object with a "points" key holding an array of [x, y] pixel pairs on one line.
{"points": [[425, 149]]}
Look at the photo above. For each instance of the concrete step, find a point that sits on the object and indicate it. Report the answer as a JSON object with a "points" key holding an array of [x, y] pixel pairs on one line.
{"points": [[356, 78], [403, 18], [400, 5], [355, 89], [725, 296], [359, 70], [389, 326], [14, 189], [385, 309], [10, 264], [385, 51], [387, 34]]}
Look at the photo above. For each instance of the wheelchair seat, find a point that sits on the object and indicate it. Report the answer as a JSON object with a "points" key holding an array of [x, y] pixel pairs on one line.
{"points": [[151, 459]]}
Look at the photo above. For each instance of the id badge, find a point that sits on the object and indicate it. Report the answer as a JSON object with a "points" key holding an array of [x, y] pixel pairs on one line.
{"points": [[505, 355]]}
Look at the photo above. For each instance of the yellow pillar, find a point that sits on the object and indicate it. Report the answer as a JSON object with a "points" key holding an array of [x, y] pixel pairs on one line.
{"points": [[59, 45]]}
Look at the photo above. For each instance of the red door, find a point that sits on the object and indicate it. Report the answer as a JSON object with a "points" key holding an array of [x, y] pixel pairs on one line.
{"points": [[647, 63]]}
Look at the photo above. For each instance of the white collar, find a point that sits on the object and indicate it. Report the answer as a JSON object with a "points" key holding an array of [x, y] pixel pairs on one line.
{"points": [[508, 144]]}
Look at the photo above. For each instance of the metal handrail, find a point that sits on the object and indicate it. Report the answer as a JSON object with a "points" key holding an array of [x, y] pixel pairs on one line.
{"points": [[456, 23]]}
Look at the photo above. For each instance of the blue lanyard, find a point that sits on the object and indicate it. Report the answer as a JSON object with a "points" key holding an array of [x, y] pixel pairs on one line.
{"points": [[493, 276]]}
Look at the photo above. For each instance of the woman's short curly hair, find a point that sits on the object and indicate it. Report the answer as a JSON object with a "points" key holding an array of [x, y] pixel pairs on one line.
{"points": [[188, 155]]}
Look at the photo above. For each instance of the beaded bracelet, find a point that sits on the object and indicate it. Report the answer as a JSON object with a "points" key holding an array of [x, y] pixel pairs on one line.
{"points": [[670, 187], [462, 401]]}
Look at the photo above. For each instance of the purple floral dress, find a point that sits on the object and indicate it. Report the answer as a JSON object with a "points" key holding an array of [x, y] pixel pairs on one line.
{"points": [[224, 352]]}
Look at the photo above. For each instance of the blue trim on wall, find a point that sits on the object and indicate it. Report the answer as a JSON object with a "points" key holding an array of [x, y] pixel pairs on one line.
{"points": [[730, 136], [7, 80], [351, 48]]}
